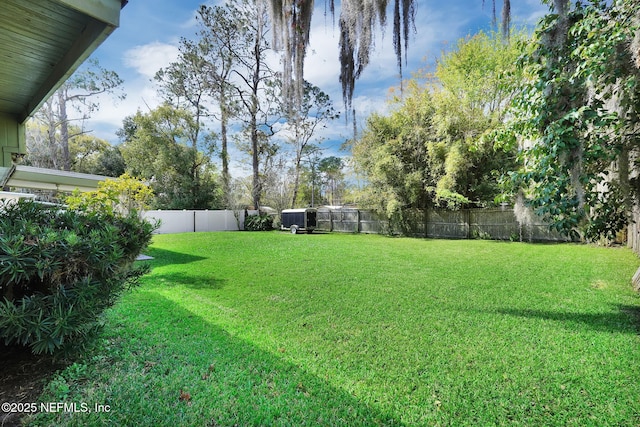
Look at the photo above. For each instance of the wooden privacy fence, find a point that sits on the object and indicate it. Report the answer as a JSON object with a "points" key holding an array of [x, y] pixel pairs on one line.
{"points": [[498, 224], [633, 230]]}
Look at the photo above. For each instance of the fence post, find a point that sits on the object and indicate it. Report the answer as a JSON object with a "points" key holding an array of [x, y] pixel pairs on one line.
{"points": [[467, 220], [425, 218]]}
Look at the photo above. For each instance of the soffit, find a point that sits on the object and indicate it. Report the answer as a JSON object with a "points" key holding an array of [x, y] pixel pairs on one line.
{"points": [[42, 42]]}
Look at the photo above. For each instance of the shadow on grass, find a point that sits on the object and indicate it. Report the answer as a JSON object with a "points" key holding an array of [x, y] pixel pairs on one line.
{"points": [[229, 381], [625, 318], [193, 281], [162, 257]]}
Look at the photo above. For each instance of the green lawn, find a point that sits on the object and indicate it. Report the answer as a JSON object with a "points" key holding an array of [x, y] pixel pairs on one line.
{"points": [[330, 329]]}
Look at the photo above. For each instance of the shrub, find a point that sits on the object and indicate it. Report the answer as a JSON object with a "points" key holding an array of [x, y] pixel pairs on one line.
{"points": [[123, 196], [60, 269], [260, 222]]}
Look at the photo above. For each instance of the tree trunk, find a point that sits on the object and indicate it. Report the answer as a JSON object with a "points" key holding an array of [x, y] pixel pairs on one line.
{"points": [[64, 130], [256, 189], [296, 184], [51, 135], [224, 154]]}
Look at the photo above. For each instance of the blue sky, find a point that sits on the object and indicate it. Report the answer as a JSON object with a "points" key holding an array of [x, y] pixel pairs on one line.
{"points": [[150, 31]]}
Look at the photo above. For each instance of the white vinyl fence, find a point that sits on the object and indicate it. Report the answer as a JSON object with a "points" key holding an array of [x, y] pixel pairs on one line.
{"points": [[196, 220]]}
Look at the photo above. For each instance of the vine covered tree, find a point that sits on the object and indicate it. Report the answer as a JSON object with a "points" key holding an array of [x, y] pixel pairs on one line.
{"points": [[576, 118]]}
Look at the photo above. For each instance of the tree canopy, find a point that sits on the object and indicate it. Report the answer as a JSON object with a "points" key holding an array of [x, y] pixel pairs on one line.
{"points": [[157, 148], [432, 149]]}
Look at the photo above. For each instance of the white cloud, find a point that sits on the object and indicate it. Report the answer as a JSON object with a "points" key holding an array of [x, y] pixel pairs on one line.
{"points": [[140, 95], [149, 58], [141, 62], [321, 66]]}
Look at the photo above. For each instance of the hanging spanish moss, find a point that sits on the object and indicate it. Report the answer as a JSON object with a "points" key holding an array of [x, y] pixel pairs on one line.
{"points": [[358, 22], [292, 23], [506, 16], [505, 22]]}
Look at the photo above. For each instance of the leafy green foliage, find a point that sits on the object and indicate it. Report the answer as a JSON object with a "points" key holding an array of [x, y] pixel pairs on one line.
{"points": [[259, 222], [59, 269], [579, 107], [433, 149], [161, 147], [122, 196]]}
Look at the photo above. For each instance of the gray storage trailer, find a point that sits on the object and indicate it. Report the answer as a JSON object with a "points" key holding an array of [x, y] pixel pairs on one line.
{"points": [[299, 220]]}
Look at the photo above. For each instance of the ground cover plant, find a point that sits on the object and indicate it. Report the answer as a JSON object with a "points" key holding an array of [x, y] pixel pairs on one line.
{"points": [[329, 329]]}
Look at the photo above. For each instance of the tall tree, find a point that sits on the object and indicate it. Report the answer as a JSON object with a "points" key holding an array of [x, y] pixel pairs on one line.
{"points": [[254, 82], [331, 169], [109, 163], [312, 156], [476, 82], [303, 124], [184, 85], [398, 156], [85, 151], [79, 94], [218, 34]]}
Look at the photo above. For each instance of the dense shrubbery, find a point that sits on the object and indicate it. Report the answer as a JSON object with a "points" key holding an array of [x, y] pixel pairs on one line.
{"points": [[59, 270], [260, 222]]}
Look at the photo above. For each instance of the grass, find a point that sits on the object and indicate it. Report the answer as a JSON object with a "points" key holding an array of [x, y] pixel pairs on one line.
{"points": [[278, 329]]}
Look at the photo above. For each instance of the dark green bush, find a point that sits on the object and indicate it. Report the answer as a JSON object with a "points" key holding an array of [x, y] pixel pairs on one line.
{"points": [[260, 222], [60, 269]]}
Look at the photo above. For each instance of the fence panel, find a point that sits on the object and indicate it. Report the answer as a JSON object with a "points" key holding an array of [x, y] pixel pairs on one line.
{"points": [[217, 221], [633, 232], [370, 223], [448, 224], [498, 224], [173, 221], [323, 219], [345, 220], [186, 221]]}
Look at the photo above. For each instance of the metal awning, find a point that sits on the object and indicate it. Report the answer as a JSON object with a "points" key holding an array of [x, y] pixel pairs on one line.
{"points": [[50, 179]]}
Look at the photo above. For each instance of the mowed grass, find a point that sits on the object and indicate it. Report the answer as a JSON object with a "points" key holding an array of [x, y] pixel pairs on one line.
{"points": [[329, 329]]}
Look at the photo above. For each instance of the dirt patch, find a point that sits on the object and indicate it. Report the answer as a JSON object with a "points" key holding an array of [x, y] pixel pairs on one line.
{"points": [[22, 378]]}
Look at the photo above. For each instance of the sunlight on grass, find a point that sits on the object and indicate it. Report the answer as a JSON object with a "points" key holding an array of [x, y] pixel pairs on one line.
{"points": [[279, 329]]}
